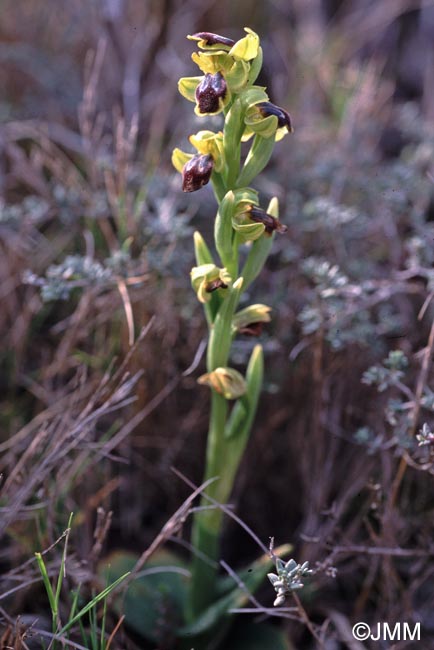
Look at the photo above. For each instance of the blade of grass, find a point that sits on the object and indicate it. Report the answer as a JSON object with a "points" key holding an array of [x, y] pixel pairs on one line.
{"points": [[92, 603]]}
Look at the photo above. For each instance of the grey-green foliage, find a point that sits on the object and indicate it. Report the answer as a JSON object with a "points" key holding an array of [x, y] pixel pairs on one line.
{"points": [[32, 208], [76, 271], [329, 213], [338, 306], [371, 217], [387, 374], [427, 399], [288, 578], [162, 230], [368, 438], [392, 376]]}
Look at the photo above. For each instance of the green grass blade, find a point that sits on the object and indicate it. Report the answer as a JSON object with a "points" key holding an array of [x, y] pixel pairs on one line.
{"points": [[46, 581], [103, 594]]}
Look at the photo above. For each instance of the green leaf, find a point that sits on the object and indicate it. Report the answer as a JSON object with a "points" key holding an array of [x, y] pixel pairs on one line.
{"points": [[221, 334], [253, 95], [256, 160], [163, 589], [255, 67], [259, 250], [245, 195], [248, 231], [203, 256], [237, 76], [223, 229], [265, 126], [234, 128], [237, 417], [256, 258], [201, 250], [243, 413], [248, 635]]}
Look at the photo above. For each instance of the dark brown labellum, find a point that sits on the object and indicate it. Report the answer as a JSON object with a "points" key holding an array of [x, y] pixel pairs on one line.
{"points": [[283, 117], [211, 89], [214, 39], [271, 223], [215, 284], [252, 329], [197, 172]]}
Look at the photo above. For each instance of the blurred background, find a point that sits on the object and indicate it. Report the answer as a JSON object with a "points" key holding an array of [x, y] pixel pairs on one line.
{"points": [[96, 249]]}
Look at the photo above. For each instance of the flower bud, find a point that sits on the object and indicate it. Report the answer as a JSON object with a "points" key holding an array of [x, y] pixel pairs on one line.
{"points": [[208, 278], [210, 93], [252, 329], [208, 40], [283, 118], [265, 119], [225, 381], [271, 223], [197, 172], [250, 321]]}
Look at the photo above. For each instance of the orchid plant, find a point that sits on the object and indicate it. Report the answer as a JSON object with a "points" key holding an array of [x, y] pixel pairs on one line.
{"points": [[243, 236], [227, 87]]}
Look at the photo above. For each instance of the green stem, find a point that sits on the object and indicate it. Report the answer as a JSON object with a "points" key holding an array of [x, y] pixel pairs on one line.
{"points": [[207, 523], [223, 454], [218, 187]]}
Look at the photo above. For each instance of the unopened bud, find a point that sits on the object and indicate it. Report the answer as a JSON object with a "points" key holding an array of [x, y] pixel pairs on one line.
{"points": [[197, 172], [271, 223], [250, 321], [283, 118], [208, 278], [252, 329], [225, 381], [211, 92], [206, 39]]}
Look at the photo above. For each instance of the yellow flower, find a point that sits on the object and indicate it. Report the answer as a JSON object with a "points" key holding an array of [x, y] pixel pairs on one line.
{"points": [[267, 120], [246, 48], [208, 142], [208, 278], [225, 381]]}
